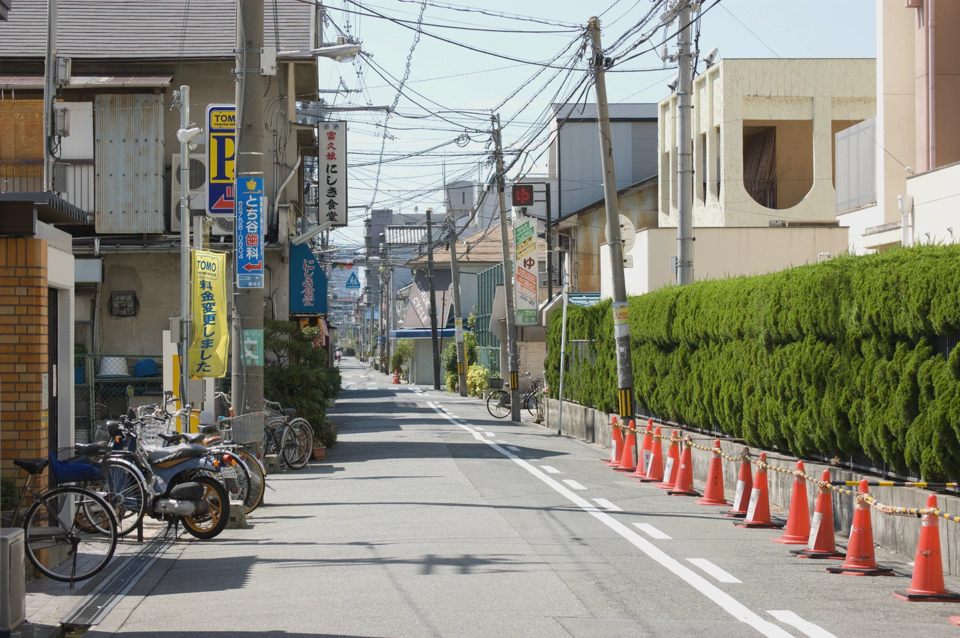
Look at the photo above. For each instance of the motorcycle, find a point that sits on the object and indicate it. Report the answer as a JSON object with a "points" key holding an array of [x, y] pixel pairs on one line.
{"points": [[179, 480]]}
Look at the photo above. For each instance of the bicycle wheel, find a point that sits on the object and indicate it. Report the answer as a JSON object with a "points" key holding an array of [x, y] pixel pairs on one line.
{"points": [[123, 487], [258, 481], [498, 404], [63, 546], [532, 404], [208, 525], [297, 443]]}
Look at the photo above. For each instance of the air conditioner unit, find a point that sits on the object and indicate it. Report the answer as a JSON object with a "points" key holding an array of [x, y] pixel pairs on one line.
{"points": [[13, 598], [197, 192]]}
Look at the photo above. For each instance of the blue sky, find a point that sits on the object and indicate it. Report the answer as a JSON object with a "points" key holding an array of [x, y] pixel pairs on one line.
{"points": [[455, 88]]}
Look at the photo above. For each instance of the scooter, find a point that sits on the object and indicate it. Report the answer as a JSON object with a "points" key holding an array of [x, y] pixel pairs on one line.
{"points": [[178, 481]]}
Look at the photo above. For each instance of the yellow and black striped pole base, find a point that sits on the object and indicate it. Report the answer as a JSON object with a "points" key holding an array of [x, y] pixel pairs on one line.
{"points": [[514, 379], [625, 403]]}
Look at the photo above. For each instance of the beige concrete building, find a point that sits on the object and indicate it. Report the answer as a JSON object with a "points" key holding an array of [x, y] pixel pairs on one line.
{"points": [[763, 135]]}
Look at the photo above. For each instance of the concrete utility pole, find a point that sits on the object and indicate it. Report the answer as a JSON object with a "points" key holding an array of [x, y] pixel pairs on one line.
{"points": [[49, 88], [508, 274], [185, 266], [684, 152], [247, 379], [457, 312], [621, 318], [388, 311], [433, 305]]}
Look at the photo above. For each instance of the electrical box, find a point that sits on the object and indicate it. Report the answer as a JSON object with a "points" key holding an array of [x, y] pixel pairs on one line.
{"points": [[64, 71], [13, 595], [268, 60], [61, 120]]}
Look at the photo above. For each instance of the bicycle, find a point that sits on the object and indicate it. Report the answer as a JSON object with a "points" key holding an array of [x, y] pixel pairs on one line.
{"points": [[498, 400], [295, 434], [70, 531]]}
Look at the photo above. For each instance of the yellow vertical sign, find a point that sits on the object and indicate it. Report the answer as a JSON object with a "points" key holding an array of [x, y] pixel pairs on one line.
{"points": [[210, 343]]}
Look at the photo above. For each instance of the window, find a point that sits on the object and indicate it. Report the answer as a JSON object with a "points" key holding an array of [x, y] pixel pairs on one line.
{"points": [[123, 304]]}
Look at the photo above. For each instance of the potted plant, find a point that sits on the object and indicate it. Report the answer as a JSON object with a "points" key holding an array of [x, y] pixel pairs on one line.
{"points": [[324, 436]]}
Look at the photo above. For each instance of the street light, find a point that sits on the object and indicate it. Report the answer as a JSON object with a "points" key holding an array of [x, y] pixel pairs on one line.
{"points": [[342, 52], [310, 234]]}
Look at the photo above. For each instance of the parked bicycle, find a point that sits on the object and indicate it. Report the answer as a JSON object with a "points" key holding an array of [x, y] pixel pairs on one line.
{"points": [[499, 398], [286, 434], [70, 531]]}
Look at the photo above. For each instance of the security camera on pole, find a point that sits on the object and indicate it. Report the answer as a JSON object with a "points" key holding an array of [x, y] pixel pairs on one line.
{"points": [[621, 318]]}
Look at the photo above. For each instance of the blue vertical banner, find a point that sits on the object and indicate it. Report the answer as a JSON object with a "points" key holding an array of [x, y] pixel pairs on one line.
{"points": [[308, 283], [249, 233]]}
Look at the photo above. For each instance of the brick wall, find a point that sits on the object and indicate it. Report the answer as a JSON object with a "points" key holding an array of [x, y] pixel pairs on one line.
{"points": [[23, 350]]}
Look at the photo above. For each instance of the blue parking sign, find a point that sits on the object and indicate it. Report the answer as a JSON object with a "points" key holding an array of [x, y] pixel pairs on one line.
{"points": [[249, 232]]}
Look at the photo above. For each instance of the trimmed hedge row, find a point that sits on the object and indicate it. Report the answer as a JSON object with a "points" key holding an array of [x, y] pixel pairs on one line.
{"points": [[835, 358]]}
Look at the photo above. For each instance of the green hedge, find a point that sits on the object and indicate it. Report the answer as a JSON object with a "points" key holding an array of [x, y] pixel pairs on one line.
{"points": [[835, 358]]}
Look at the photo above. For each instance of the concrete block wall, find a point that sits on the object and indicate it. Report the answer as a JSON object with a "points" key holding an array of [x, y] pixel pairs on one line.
{"points": [[899, 534], [23, 351]]}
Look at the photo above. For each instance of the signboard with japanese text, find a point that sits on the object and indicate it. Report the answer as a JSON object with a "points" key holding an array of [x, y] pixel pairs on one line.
{"points": [[221, 159], [253, 347], [249, 232], [527, 270], [333, 172], [308, 283], [210, 341]]}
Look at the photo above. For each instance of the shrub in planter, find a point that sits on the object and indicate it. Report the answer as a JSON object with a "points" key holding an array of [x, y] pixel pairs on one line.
{"points": [[477, 380], [8, 493], [324, 433]]}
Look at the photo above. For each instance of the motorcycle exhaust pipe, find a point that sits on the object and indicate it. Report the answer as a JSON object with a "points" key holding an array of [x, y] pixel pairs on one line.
{"points": [[175, 507]]}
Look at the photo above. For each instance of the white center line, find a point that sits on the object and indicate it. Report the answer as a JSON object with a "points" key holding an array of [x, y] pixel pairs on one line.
{"points": [[722, 599], [607, 505], [652, 531], [807, 627], [713, 570], [550, 470], [513, 448], [574, 484]]}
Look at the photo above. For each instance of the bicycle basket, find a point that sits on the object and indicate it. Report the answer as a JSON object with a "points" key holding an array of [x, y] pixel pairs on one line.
{"points": [[244, 429], [494, 383]]}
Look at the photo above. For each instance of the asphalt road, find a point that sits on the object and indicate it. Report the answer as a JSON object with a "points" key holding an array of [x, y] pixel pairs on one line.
{"points": [[430, 518]]}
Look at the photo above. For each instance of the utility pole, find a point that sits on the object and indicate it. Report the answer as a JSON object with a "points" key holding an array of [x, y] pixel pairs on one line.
{"points": [[621, 318], [433, 305], [684, 152], [549, 246], [185, 269], [247, 378], [49, 88], [508, 274], [385, 296], [457, 313]]}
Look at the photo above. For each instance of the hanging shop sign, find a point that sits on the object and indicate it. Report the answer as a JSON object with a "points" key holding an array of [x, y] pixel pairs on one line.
{"points": [[333, 172], [527, 270], [249, 233], [308, 283], [221, 159], [210, 341]]}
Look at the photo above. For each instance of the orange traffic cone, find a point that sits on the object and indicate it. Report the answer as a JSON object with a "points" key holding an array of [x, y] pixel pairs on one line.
{"points": [[616, 443], [654, 468], [628, 458], [758, 512], [646, 449], [798, 519], [744, 487], [673, 463], [860, 559], [822, 542], [713, 492], [684, 484], [927, 582]]}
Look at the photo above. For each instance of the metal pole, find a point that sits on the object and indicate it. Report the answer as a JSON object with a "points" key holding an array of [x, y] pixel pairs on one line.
{"points": [[621, 321], [247, 378], [185, 266], [461, 343], [563, 355], [508, 274], [684, 154], [49, 89], [549, 247], [433, 305], [386, 297]]}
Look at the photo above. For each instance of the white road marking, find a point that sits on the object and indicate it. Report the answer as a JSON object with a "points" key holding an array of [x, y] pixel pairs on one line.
{"points": [[607, 505], [550, 470], [491, 434], [652, 531], [721, 598], [805, 626], [476, 428], [574, 484], [713, 570], [513, 448]]}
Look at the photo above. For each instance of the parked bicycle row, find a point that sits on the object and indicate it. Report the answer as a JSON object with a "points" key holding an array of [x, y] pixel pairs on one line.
{"points": [[146, 464]]}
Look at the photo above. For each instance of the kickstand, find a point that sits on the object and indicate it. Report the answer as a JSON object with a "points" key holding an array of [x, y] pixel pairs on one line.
{"points": [[172, 527]]}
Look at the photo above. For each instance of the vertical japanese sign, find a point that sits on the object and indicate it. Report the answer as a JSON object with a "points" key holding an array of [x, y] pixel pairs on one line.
{"points": [[333, 172], [249, 232], [221, 159], [210, 342], [308, 283], [253, 347], [525, 258]]}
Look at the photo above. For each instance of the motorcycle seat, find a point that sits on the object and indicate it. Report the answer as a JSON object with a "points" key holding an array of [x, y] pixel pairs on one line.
{"points": [[175, 454], [89, 449]]}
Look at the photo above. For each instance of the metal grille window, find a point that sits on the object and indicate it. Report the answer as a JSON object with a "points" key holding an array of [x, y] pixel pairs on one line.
{"points": [[123, 304]]}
